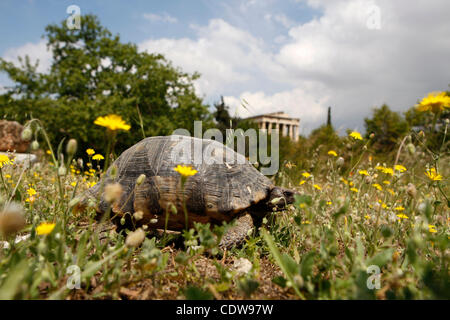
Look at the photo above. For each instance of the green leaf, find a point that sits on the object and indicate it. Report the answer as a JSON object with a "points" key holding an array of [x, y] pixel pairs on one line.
{"points": [[306, 265], [195, 293], [248, 286], [279, 280], [382, 258], [12, 283]]}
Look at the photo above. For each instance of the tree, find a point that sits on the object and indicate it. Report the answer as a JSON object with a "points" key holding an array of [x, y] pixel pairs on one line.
{"points": [[387, 126], [93, 74]]}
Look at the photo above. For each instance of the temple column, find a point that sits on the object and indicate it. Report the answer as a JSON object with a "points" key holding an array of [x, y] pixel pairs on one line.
{"points": [[295, 133], [291, 134]]}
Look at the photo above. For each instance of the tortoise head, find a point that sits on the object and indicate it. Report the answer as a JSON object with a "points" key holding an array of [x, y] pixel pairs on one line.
{"points": [[279, 198]]}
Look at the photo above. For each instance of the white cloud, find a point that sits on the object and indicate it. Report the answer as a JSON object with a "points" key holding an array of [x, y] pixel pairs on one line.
{"points": [[226, 57], [165, 17], [358, 54], [35, 51]]}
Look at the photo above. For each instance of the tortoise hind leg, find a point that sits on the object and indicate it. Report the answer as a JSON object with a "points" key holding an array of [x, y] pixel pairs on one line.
{"points": [[236, 235]]}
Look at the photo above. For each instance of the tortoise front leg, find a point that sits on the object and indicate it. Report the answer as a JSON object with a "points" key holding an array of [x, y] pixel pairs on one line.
{"points": [[236, 235]]}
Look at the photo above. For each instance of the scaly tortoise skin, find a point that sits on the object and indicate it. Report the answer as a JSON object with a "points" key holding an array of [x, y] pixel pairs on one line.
{"points": [[220, 191]]}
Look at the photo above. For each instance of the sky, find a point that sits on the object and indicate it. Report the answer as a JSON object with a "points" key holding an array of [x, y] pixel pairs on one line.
{"points": [[297, 56]]}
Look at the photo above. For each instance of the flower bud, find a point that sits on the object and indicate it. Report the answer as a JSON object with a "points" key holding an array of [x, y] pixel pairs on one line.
{"points": [[113, 192], [122, 221], [411, 190], [411, 148], [135, 238], [34, 145], [138, 215], [80, 162], [71, 147], [173, 209], [140, 180], [27, 134], [62, 171], [12, 219], [340, 162], [372, 135]]}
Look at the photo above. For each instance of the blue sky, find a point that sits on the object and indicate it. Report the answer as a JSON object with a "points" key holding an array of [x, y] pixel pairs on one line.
{"points": [[299, 56], [28, 18]]}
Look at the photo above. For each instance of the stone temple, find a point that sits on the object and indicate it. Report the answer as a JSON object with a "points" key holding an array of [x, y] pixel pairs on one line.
{"points": [[280, 121]]}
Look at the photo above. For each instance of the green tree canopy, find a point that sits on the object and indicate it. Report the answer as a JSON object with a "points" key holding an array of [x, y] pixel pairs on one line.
{"points": [[388, 127], [93, 74]]}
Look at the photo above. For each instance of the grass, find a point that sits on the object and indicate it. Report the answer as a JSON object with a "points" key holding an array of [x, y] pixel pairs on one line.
{"points": [[349, 221]]}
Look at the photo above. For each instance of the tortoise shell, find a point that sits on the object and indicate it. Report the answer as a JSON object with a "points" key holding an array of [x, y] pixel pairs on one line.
{"points": [[225, 184]]}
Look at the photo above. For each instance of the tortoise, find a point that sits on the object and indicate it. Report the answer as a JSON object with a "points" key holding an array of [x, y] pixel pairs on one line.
{"points": [[225, 188]]}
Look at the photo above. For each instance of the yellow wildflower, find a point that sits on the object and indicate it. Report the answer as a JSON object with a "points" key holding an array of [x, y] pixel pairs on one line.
{"points": [[434, 102], [367, 217], [306, 174], [386, 182], [432, 228], [4, 160], [400, 168], [98, 157], [302, 182], [391, 191], [377, 186], [306, 222], [49, 152], [356, 135], [45, 228], [73, 184], [329, 203], [31, 192], [112, 122], [399, 208], [185, 171], [433, 175], [332, 153], [363, 172], [354, 190], [90, 151], [402, 216], [317, 187]]}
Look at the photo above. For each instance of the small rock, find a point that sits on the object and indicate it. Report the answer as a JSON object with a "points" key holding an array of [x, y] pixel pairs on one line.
{"points": [[242, 266], [11, 137]]}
